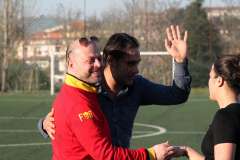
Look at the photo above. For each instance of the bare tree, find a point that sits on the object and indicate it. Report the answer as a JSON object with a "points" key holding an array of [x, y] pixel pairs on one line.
{"points": [[12, 32], [230, 24], [131, 7]]}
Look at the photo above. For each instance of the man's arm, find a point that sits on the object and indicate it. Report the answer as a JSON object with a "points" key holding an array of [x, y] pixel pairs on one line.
{"points": [[179, 91], [46, 125], [94, 138], [182, 78], [40, 128], [177, 47]]}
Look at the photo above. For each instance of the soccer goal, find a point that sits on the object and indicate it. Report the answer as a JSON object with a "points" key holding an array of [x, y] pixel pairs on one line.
{"points": [[157, 66]]}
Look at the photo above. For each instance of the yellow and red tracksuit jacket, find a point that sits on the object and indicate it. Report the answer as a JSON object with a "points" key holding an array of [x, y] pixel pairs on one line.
{"points": [[82, 131]]}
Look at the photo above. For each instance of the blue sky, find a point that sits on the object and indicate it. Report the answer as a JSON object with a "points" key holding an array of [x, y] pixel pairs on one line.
{"points": [[46, 7]]}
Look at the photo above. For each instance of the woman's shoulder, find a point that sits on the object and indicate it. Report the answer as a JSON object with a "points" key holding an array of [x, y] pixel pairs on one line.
{"points": [[228, 115], [232, 109]]}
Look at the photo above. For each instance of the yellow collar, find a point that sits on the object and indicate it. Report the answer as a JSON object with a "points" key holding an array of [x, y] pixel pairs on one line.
{"points": [[74, 82]]}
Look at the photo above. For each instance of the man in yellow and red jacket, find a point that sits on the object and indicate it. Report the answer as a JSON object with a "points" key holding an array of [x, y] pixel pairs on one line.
{"points": [[82, 131]]}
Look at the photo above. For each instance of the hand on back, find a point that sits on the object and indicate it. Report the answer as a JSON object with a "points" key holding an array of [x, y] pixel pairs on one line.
{"points": [[48, 124]]}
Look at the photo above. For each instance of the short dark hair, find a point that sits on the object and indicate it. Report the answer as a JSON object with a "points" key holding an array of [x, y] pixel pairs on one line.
{"points": [[117, 44], [228, 67]]}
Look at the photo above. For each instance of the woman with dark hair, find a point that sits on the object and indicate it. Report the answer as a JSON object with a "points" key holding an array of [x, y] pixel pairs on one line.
{"points": [[222, 140]]}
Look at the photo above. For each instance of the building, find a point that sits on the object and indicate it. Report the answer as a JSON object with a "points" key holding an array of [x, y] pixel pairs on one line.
{"points": [[38, 47], [216, 12]]}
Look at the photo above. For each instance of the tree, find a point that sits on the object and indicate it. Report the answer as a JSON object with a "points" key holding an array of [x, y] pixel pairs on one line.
{"points": [[11, 26], [204, 42], [230, 24], [22, 76]]}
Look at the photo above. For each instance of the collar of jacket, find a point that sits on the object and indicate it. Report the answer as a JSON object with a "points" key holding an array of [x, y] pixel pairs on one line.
{"points": [[77, 83], [102, 89]]}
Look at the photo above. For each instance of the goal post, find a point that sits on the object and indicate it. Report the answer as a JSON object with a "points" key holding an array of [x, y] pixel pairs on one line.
{"points": [[161, 53], [52, 74]]}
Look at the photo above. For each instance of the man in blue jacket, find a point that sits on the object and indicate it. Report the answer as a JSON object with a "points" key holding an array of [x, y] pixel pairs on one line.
{"points": [[122, 90]]}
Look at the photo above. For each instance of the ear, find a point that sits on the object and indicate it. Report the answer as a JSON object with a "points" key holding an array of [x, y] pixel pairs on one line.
{"points": [[220, 81]]}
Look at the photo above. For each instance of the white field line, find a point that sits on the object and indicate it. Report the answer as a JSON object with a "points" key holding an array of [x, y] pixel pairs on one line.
{"points": [[41, 100], [18, 131], [134, 132], [48, 143], [159, 130], [24, 144], [155, 130], [185, 132], [25, 100], [142, 132], [19, 118], [198, 100], [171, 132]]}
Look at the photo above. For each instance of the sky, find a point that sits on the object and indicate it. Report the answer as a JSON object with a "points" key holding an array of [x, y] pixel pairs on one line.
{"points": [[48, 7]]}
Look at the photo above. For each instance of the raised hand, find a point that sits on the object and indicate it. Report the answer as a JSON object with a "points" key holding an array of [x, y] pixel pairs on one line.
{"points": [[48, 124], [175, 45]]}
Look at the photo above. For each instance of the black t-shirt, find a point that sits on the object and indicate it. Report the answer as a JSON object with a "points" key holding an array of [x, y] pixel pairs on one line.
{"points": [[225, 128]]}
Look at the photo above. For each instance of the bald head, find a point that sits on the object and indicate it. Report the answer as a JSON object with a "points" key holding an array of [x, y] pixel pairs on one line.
{"points": [[81, 43], [83, 60]]}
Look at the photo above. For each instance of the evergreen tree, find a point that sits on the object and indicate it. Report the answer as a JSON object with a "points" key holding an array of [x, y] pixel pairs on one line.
{"points": [[204, 42]]}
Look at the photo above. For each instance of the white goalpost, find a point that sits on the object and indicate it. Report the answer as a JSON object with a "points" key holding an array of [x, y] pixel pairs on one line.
{"points": [[52, 67], [159, 53]]}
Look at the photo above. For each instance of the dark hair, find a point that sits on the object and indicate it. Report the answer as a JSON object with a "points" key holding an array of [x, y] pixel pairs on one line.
{"points": [[84, 41], [117, 44], [228, 67]]}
